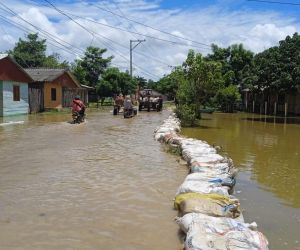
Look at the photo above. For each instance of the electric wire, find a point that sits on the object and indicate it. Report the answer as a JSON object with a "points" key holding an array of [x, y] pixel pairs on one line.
{"points": [[96, 34], [148, 26]]}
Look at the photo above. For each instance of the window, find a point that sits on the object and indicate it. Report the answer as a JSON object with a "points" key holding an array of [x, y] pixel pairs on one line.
{"points": [[53, 94], [16, 93]]}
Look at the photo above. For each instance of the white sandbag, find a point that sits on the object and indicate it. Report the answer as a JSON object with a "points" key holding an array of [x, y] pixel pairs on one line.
{"points": [[165, 130], [201, 238], [159, 136], [219, 225], [209, 158], [212, 173], [189, 154], [197, 186], [204, 178]]}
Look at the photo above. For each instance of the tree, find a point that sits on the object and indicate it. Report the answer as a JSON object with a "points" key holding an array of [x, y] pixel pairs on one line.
{"points": [[141, 81], [113, 82], [277, 69], [227, 97], [89, 69], [202, 79], [31, 53], [233, 59], [168, 85]]}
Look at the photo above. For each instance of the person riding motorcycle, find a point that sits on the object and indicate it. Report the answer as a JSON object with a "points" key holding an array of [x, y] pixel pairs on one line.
{"points": [[78, 107], [128, 107], [128, 102]]}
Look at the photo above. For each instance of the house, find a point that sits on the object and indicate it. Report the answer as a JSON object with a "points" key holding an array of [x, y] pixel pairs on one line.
{"points": [[13, 87], [92, 93], [271, 103], [53, 89]]}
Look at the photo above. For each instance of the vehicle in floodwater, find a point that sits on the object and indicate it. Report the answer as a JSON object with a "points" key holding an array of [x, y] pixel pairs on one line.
{"points": [[150, 101], [129, 113], [78, 117]]}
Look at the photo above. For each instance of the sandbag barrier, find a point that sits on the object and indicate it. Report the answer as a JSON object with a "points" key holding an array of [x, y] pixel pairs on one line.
{"points": [[208, 213]]}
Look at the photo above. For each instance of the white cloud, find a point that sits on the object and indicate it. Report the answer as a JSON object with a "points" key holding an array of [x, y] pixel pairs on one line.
{"points": [[216, 24]]}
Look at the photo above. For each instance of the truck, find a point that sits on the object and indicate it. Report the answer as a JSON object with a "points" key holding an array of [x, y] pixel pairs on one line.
{"points": [[149, 100]]}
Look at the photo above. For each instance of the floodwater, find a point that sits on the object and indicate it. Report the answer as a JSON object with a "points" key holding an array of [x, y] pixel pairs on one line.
{"points": [[105, 184], [267, 153]]}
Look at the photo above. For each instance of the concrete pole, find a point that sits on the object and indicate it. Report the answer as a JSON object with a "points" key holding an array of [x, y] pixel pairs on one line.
{"points": [[285, 109], [131, 49], [275, 108], [253, 106], [266, 107]]}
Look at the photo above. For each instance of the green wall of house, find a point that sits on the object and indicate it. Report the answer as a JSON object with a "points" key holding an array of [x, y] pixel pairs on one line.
{"points": [[9, 106]]}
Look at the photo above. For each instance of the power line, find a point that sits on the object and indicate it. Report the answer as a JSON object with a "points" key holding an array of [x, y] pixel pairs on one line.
{"points": [[141, 34], [149, 47], [48, 35], [96, 34], [28, 31], [148, 26], [275, 2]]}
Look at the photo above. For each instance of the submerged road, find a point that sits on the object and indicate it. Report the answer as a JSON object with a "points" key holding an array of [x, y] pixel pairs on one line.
{"points": [[105, 184]]}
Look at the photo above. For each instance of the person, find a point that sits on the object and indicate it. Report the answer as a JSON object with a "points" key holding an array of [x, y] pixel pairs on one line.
{"points": [[78, 106], [127, 102]]}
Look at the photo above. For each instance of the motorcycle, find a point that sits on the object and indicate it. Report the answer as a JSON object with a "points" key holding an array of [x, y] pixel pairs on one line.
{"points": [[128, 113], [77, 117]]}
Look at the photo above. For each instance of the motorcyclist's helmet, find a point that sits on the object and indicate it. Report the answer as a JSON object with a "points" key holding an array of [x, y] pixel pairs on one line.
{"points": [[77, 97]]}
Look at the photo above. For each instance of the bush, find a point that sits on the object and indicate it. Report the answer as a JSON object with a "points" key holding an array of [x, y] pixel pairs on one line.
{"points": [[226, 98], [187, 115]]}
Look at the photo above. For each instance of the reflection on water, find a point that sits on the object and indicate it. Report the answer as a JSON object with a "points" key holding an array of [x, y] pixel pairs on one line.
{"points": [[105, 184], [275, 119], [268, 155]]}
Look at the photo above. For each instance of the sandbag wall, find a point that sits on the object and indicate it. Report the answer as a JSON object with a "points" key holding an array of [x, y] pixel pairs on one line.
{"points": [[207, 212]]}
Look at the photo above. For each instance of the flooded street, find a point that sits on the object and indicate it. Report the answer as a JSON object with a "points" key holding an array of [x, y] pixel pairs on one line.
{"points": [[105, 184], [267, 154]]}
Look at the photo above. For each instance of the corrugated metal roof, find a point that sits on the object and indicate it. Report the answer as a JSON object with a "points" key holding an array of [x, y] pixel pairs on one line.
{"points": [[42, 74]]}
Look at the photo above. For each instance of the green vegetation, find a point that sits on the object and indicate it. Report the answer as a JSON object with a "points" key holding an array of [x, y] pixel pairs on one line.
{"points": [[31, 53], [212, 81], [217, 79]]}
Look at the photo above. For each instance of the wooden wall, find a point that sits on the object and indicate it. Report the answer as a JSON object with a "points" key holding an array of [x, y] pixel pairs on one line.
{"points": [[36, 97], [48, 103], [70, 93]]}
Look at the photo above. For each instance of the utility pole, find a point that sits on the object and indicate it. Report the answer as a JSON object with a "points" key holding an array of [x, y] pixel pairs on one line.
{"points": [[131, 49]]}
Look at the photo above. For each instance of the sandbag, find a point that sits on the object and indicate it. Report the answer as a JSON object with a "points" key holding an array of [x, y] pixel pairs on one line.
{"points": [[210, 204], [200, 237], [202, 187], [219, 225], [209, 158], [221, 180]]}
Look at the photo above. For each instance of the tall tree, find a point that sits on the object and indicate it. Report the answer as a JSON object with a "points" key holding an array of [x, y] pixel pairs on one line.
{"points": [[90, 68], [234, 59], [202, 79], [31, 53], [113, 81], [277, 69]]}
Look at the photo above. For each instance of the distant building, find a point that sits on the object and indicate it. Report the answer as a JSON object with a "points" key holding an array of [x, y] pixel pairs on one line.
{"points": [[53, 89], [13, 87], [271, 103]]}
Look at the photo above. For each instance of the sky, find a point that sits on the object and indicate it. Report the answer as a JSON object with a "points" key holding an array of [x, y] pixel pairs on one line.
{"points": [[170, 28]]}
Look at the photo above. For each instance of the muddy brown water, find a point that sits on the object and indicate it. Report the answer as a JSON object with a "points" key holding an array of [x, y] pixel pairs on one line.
{"points": [[106, 184], [267, 154]]}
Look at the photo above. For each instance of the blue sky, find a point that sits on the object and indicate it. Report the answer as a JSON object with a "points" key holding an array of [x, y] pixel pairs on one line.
{"points": [[223, 22]]}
